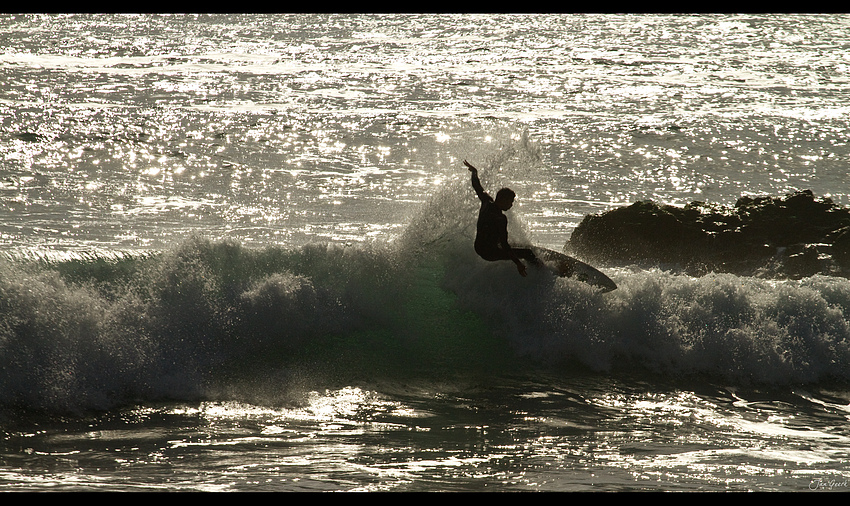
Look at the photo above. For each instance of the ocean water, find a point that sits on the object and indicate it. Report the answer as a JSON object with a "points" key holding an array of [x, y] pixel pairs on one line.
{"points": [[235, 254]]}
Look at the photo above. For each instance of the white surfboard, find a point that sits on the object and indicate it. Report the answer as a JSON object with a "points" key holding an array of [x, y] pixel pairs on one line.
{"points": [[567, 266]]}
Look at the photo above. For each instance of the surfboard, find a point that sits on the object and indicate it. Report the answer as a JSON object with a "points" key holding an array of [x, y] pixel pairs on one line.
{"points": [[569, 267]]}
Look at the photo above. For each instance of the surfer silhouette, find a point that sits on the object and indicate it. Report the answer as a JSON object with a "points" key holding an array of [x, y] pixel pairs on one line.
{"points": [[491, 239]]}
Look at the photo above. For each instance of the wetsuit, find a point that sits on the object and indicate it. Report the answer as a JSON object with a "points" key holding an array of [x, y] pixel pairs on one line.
{"points": [[491, 240]]}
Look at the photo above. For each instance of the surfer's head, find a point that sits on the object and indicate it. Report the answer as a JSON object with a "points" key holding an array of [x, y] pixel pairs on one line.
{"points": [[505, 199]]}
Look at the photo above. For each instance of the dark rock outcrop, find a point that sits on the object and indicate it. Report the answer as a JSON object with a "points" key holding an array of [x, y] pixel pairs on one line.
{"points": [[792, 236]]}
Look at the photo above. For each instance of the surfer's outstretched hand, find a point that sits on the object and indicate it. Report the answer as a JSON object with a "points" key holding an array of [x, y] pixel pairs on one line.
{"points": [[471, 168]]}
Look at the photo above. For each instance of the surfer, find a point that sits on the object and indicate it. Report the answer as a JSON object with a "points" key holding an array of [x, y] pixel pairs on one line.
{"points": [[491, 240]]}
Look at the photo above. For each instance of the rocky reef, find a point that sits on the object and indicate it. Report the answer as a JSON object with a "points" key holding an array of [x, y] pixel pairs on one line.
{"points": [[792, 236]]}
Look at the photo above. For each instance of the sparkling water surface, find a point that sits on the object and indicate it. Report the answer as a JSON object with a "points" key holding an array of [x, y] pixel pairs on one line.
{"points": [[123, 136]]}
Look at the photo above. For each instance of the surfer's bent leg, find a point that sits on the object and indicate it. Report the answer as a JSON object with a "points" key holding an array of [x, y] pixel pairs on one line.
{"points": [[527, 255], [500, 254]]}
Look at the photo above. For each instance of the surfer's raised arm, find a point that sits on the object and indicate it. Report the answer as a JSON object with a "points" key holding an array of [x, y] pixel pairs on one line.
{"points": [[476, 183]]}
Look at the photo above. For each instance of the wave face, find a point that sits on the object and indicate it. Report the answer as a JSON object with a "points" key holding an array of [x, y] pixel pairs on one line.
{"points": [[214, 319], [720, 326], [89, 333]]}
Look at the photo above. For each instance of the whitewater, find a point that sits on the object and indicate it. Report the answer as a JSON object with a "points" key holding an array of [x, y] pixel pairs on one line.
{"points": [[236, 253]]}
